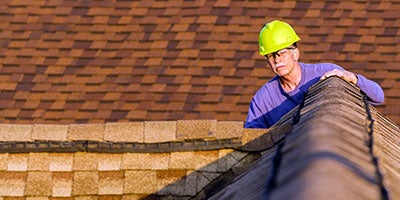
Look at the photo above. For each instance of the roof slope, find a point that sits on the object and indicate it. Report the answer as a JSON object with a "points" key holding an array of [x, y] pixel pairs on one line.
{"points": [[89, 61], [331, 152], [329, 135]]}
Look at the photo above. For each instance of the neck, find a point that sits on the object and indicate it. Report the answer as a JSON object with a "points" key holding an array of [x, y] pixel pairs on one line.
{"points": [[292, 79]]}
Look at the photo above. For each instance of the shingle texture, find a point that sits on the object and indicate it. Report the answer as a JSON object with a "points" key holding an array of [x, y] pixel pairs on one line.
{"points": [[337, 148], [325, 147], [90, 61], [176, 175]]}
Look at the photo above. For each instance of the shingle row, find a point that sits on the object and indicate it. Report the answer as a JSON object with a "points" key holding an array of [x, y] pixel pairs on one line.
{"points": [[200, 52]]}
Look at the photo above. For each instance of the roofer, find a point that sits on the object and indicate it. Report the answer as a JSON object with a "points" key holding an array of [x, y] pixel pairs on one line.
{"points": [[278, 44]]}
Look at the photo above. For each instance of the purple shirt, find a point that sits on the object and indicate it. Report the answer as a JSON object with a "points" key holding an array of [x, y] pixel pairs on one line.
{"points": [[271, 102]]}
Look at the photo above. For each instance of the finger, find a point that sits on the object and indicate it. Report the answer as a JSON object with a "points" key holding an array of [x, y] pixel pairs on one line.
{"points": [[327, 75]]}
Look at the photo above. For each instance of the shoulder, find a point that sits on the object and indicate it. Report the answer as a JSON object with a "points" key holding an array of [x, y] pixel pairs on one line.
{"points": [[273, 84], [271, 88], [320, 66], [317, 69]]}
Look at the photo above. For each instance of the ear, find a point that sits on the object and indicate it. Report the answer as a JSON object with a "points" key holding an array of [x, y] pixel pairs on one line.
{"points": [[296, 54]]}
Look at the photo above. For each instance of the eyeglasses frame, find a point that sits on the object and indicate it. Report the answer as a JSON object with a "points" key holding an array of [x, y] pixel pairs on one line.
{"points": [[272, 56]]}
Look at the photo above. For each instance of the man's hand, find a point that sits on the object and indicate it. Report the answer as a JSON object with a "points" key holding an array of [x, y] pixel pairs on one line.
{"points": [[344, 74]]}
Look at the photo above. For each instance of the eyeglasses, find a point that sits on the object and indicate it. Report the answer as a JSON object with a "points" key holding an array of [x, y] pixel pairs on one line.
{"points": [[280, 53]]}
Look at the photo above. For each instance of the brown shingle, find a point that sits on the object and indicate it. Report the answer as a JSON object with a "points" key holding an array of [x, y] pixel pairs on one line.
{"points": [[39, 184], [62, 184], [191, 129], [134, 183], [82, 52], [39, 162], [85, 183], [111, 183], [132, 132], [13, 183]]}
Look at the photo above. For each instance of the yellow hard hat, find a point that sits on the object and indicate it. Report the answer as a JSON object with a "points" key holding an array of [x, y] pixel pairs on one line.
{"points": [[276, 35]]}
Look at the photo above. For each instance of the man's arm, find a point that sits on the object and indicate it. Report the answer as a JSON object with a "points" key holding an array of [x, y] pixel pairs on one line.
{"points": [[373, 91]]}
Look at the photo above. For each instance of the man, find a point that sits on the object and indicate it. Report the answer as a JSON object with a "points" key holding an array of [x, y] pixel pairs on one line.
{"points": [[278, 43]]}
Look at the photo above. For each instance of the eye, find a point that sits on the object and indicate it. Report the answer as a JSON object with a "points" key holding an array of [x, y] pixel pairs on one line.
{"points": [[282, 52]]}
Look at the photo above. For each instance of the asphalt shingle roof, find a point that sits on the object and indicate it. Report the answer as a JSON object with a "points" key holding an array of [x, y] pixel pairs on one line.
{"points": [[90, 61], [338, 147], [332, 144]]}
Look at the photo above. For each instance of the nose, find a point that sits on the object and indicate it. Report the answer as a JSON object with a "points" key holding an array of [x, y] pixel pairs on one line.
{"points": [[277, 58]]}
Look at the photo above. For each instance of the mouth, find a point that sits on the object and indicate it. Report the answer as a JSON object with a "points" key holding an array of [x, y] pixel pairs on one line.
{"points": [[280, 66]]}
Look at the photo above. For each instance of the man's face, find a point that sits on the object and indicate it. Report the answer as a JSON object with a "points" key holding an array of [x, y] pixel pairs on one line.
{"points": [[283, 61]]}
